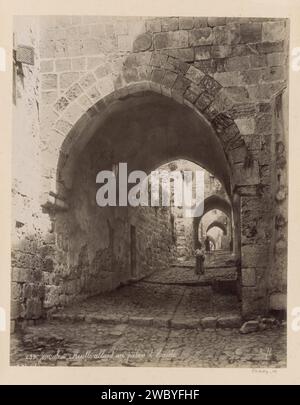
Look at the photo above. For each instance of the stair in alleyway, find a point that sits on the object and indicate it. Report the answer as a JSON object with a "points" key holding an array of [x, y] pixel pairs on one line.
{"points": [[222, 279], [185, 275], [215, 259]]}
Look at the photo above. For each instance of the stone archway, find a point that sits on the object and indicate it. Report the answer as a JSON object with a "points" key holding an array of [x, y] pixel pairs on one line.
{"points": [[145, 130], [96, 93], [217, 202], [198, 94]]}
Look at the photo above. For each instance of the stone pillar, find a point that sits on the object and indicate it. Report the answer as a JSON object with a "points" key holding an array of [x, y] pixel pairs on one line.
{"points": [[255, 245], [277, 277]]}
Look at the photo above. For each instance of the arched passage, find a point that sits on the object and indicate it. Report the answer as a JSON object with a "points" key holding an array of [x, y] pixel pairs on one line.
{"points": [[221, 203], [217, 224], [131, 131], [217, 202], [74, 118], [193, 104]]}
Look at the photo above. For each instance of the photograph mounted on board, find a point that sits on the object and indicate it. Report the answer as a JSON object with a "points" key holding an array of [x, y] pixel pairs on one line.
{"points": [[114, 120]]}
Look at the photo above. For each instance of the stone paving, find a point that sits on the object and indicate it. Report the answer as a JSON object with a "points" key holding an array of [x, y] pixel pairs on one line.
{"points": [[150, 324], [148, 301], [82, 344]]}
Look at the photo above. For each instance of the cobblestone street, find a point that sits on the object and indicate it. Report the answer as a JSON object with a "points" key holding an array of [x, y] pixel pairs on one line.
{"points": [[150, 324]]}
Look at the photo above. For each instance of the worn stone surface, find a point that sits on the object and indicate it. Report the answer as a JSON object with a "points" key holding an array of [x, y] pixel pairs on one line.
{"points": [[142, 43], [251, 32], [248, 277], [154, 301], [201, 36], [229, 321], [278, 301], [82, 344], [49, 81], [209, 322], [186, 23], [172, 39], [157, 325], [274, 31], [194, 75]]}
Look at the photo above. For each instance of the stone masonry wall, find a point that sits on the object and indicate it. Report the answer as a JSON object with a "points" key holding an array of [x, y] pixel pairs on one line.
{"points": [[94, 243], [32, 240], [154, 239]]}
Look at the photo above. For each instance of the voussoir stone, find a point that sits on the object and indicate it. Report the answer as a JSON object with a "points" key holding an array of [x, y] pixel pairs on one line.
{"points": [[203, 52], [194, 75]]}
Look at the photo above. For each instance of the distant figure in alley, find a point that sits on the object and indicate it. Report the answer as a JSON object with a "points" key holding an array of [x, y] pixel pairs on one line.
{"points": [[207, 244], [200, 258]]}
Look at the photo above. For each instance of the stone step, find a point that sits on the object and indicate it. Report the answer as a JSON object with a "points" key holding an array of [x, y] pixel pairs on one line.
{"points": [[189, 283], [178, 322]]}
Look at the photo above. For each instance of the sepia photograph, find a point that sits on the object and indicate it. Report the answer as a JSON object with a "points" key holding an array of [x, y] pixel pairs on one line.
{"points": [[149, 209]]}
